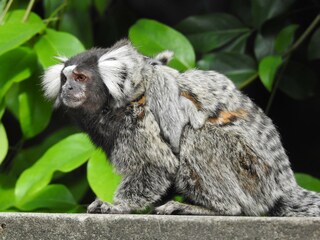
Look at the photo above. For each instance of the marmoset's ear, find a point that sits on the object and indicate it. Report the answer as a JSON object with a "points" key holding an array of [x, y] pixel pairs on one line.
{"points": [[51, 82], [119, 70], [165, 57], [163, 99]]}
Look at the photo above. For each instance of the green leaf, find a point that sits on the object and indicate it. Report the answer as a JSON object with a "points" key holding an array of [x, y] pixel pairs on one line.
{"points": [[16, 16], [53, 196], [102, 180], [101, 5], [241, 9], [11, 99], [152, 37], [237, 45], [3, 143], [34, 110], [2, 108], [211, 31], [78, 22], [238, 67], [2, 5], [285, 38], [268, 67], [14, 33], [15, 66], [313, 48], [308, 182], [7, 199], [263, 10], [263, 46], [78, 186], [55, 43], [299, 81], [50, 6], [27, 156], [64, 156]]}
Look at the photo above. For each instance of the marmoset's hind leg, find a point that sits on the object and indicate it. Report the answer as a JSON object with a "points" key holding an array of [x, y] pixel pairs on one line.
{"points": [[178, 208]]}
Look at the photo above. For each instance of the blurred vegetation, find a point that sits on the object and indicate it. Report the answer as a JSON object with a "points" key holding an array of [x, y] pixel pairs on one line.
{"points": [[53, 170]]}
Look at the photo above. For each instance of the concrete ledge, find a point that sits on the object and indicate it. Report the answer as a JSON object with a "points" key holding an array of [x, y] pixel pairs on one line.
{"points": [[84, 226]]}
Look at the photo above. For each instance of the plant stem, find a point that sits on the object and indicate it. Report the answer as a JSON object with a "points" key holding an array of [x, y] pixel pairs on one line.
{"points": [[58, 9], [28, 11], [304, 35], [6, 9], [49, 20], [52, 17], [276, 85], [249, 80]]}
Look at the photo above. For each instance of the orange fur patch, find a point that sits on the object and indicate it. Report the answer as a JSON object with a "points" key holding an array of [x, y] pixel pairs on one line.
{"points": [[192, 99], [227, 117], [141, 101]]}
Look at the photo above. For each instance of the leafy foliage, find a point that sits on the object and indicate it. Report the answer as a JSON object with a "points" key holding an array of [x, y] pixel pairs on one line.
{"points": [[100, 174], [268, 67], [241, 68], [152, 37], [14, 32], [53, 43], [3, 143], [256, 40], [211, 31], [308, 182]]}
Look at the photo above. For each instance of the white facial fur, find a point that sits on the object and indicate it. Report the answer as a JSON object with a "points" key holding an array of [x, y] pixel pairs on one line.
{"points": [[51, 82], [120, 69], [68, 71]]}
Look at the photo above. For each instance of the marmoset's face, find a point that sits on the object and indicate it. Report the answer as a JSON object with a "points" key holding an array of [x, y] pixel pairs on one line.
{"points": [[91, 78], [81, 83]]}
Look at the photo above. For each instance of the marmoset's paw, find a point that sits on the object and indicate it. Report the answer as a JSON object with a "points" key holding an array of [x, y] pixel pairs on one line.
{"points": [[106, 208], [95, 207], [169, 208]]}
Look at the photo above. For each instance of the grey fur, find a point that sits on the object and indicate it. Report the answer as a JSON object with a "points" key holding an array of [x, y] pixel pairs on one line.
{"points": [[195, 134], [170, 109]]}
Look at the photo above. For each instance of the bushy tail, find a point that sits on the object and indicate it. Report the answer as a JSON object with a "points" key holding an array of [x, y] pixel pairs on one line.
{"points": [[298, 203]]}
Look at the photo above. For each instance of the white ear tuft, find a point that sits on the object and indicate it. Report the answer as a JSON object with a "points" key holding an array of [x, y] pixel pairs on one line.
{"points": [[62, 59], [165, 57], [51, 81], [115, 53]]}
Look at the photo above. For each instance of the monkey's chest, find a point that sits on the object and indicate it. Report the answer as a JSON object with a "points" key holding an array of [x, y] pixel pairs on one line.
{"points": [[110, 127]]}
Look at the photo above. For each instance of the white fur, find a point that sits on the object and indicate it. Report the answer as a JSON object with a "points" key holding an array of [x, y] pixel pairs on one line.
{"points": [[62, 59], [116, 53], [109, 71], [51, 81], [68, 71], [165, 57], [111, 65]]}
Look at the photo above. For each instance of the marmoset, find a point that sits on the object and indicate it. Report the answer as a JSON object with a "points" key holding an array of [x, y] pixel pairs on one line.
{"points": [[192, 133]]}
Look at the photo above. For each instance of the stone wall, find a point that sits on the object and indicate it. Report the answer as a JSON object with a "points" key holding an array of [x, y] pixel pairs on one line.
{"points": [[86, 226]]}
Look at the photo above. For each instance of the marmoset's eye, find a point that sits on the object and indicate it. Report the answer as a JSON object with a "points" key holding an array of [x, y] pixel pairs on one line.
{"points": [[79, 77]]}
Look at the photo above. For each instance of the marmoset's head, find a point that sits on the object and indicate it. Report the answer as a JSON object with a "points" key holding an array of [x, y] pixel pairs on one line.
{"points": [[94, 78]]}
